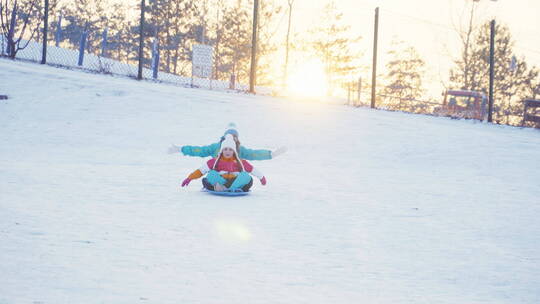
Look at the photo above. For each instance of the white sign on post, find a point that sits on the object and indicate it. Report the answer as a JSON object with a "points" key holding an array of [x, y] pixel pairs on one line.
{"points": [[202, 60]]}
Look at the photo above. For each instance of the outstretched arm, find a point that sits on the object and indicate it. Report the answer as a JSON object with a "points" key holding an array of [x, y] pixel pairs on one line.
{"points": [[261, 154], [200, 151], [251, 154]]}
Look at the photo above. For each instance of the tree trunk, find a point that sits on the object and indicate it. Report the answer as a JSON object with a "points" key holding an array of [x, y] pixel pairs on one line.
{"points": [[466, 51], [11, 32], [285, 76]]}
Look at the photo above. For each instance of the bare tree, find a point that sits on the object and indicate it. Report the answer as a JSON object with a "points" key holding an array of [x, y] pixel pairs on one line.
{"points": [[15, 20], [465, 37], [285, 70], [231, 37]]}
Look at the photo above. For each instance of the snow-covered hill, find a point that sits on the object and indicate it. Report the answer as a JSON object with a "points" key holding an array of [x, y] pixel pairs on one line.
{"points": [[366, 206]]}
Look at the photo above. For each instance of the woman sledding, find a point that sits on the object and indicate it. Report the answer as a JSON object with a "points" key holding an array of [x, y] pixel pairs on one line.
{"points": [[226, 172], [212, 150]]}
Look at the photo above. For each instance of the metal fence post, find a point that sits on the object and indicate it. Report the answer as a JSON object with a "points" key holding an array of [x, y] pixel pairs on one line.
{"points": [[58, 34], [232, 82], [359, 90], [82, 46], [155, 58], [348, 94], [104, 42]]}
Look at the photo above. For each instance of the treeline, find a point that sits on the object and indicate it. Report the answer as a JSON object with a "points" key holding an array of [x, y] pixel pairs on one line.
{"points": [[176, 24], [227, 25], [515, 80]]}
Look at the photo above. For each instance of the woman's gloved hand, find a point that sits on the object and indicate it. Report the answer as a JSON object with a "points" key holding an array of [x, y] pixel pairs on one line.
{"points": [[173, 149], [278, 151]]}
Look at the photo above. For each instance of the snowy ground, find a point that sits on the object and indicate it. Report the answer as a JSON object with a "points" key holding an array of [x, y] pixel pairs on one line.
{"points": [[365, 207]]}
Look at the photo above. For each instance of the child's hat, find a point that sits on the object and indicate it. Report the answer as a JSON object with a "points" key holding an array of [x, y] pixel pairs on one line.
{"points": [[228, 142], [231, 129]]}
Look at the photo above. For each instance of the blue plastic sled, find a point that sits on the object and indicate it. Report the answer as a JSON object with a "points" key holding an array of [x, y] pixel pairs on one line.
{"points": [[226, 193]]}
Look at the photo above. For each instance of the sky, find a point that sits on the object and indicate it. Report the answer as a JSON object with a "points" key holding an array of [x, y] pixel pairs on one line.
{"points": [[520, 15], [429, 26]]}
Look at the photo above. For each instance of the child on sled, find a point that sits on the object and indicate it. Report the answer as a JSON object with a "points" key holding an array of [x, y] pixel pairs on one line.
{"points": [[226, 172]]}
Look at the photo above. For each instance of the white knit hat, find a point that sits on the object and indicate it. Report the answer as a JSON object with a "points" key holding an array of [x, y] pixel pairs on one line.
{"points": [[228, 142]]}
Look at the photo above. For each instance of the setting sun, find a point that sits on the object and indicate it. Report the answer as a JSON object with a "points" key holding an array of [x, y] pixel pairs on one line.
{"points": [[308, 80]]}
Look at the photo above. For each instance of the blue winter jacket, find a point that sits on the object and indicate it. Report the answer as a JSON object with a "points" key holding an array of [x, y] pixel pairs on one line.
{"points": [[213, 151]]}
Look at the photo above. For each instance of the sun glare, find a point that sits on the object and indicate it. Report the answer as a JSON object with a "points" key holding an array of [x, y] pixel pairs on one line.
{"points": [[233, 231], [308, 80]]}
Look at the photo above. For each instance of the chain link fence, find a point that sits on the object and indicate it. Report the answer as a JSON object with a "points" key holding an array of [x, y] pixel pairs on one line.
{"points": [[112, 45]]}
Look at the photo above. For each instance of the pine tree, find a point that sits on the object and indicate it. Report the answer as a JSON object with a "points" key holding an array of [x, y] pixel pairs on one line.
{"points": [[331, 44], [235, 42], [405, 72], [231, 38], [175, 24], [81, 16], [122, 40], [267, 70], [512, 74]]}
